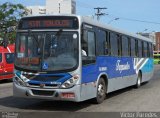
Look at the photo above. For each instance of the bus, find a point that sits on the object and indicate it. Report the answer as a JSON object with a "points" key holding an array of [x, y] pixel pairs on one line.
{"points": [[7, 62], [75, 58], [156, 58]]}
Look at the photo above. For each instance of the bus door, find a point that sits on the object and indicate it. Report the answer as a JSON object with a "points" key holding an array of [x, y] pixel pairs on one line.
{"points": [[88, 57]]}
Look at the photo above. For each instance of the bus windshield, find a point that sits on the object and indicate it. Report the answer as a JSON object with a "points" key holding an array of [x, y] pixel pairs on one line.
{"points": [[9, 58], [47, 51]]}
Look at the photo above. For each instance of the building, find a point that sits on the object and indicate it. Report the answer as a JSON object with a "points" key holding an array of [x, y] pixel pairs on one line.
{"points": [[151, 35], [155, 36], [36, 10], [54, 7], [61, 6], [157, 46]]}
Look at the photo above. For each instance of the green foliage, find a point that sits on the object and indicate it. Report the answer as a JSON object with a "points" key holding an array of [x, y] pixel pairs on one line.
{"points": [[9, 17]]}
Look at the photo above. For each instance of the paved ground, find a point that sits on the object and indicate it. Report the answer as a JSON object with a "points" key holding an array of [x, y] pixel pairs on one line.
{"points": [[145, 98]]}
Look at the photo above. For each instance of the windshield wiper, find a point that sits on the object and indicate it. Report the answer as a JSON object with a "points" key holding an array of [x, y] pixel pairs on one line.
{"points": [[30, 33], [58, 33]]}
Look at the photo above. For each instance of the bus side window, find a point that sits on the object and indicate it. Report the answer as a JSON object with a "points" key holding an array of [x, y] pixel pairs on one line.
{"points": [[88, 47], [136, 48], [140, 48], [91, 44], [84, 42], [148, 50], [125, 46], [119, 38], [151, 50], [114, 44], [129, 46], [107, 45], [145, 50], [133, 46]]}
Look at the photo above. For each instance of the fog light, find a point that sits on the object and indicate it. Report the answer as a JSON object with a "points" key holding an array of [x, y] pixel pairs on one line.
{"points": [[67, 95]]}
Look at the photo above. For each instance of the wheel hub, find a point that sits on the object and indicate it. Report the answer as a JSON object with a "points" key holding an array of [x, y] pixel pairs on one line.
{"points": [[101, 90]]}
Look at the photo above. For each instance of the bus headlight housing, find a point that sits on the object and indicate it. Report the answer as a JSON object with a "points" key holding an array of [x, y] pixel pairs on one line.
{"points": [[19, 81], [71, 82]]}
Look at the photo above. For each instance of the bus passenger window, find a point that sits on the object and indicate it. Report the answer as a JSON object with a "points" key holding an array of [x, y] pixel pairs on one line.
{"points": [[133, 47], [145, 51], [119, 45], [125, 45], [139, 49], [114, 44], [150, 50], [107, 44], [101, 43], [88, 48], [91, 44]]}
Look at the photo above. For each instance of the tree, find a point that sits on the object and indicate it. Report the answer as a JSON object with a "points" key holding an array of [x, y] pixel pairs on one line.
{"points": [[9, 17]]}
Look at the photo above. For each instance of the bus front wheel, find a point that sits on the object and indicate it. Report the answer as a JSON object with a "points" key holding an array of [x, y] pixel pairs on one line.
{"points": [[101, 91]]}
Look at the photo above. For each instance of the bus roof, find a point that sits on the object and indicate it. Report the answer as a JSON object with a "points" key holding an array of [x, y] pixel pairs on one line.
{"points": [[109, 27], [99, 24], [9, 49]]}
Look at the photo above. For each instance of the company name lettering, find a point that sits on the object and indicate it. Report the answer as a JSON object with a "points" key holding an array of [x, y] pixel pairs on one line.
{"points": [[121, 68]]}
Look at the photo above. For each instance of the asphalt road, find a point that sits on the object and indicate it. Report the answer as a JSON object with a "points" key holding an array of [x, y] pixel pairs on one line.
{"points": [[146, 98]]}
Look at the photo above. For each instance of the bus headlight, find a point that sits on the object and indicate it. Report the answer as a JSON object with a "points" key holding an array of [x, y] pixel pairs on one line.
{"points": [[19, 82], [71, 82]]}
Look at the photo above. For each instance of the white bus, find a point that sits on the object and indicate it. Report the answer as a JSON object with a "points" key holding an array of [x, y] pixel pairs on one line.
{"points": [[74, 58]]}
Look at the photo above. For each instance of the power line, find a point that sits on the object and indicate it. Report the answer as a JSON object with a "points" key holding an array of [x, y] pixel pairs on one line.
{"points": [[137, 20], [99, 12]]}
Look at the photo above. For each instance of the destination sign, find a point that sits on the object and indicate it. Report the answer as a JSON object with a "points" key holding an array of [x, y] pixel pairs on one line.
{"points": [[48, 23]]}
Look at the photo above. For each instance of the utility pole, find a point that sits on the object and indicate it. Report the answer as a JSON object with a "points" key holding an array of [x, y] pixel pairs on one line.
{"points": [[99, 12]]}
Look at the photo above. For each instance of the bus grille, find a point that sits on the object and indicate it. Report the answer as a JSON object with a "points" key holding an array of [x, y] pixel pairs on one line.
{"points": [[49, 86], [43, 93]]}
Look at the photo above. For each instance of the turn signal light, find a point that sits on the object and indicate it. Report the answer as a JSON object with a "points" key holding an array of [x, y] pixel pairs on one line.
{"points": [[67, 95]]}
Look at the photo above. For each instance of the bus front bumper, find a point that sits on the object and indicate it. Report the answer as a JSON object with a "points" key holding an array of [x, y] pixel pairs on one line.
{"points": [[71, 94]]}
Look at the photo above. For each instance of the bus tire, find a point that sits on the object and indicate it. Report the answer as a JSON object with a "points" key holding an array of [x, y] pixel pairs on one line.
{"points": [[139, 80], [101, 91]]}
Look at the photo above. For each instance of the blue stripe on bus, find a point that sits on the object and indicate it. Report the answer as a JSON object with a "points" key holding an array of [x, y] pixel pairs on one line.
{"points": [[65, 77], [148, 67], [114, 67]]}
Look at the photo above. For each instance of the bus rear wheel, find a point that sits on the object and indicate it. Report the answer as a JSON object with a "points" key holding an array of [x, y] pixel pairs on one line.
{"points": [[139, 80], [101, 91]]}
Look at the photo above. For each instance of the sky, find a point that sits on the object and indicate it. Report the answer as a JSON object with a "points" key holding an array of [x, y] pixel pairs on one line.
{"points": [[132, 15]]}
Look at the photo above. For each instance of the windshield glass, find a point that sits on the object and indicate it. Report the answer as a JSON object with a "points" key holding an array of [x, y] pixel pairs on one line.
{"points": [[47, 51], [9, 58]]}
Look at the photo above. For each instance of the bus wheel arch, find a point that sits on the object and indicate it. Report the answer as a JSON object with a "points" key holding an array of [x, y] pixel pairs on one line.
{"points": [[105, 80], [139, 79]]}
